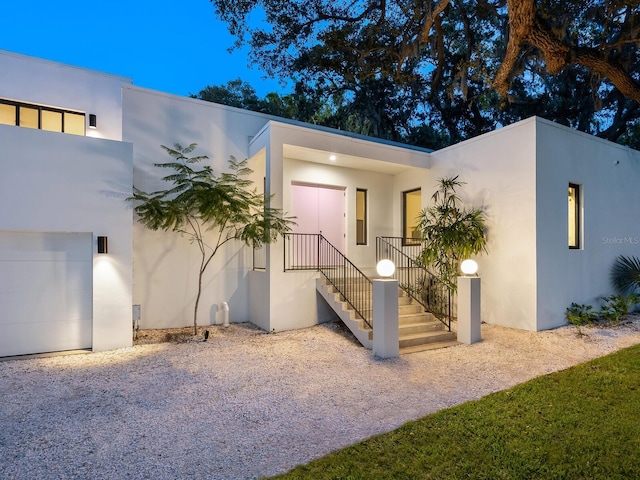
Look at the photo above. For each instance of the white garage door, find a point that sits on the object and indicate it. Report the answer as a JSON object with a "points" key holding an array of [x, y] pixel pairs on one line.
{"points": [[45, 292]]}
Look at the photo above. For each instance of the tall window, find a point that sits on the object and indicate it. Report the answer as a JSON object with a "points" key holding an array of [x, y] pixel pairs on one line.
{"points": [[361, 217], [411, 207], [574, 215], [43, 118]]}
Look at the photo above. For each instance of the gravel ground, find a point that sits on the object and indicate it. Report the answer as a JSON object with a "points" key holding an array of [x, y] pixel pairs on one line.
{"points": [[246, 404]]}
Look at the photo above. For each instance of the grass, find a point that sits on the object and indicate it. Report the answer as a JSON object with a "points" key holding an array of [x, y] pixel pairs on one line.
{"points": [[581, 423]]}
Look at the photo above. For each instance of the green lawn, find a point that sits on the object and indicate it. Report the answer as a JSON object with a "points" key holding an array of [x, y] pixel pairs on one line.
{"points": [[582, 423]]}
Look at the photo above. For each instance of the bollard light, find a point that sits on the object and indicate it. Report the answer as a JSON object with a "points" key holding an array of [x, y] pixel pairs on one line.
{"points": [[385, 268], [469, 267]]}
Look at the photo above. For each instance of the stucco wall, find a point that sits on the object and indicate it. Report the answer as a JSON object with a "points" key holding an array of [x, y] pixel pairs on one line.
{"points": [[609, 175], [165, 263], [53, 182], [37, 81], [500, 175]]}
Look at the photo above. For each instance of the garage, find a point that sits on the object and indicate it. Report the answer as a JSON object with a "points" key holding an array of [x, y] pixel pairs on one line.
{"points": [[46, 292]]}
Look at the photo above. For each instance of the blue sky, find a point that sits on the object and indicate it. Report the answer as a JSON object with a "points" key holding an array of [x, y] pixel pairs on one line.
{"points": [[172, 46]]}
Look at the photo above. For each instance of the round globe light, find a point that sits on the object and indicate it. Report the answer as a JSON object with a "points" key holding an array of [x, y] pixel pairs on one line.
{"points": [[469, 267], [385, 268]]}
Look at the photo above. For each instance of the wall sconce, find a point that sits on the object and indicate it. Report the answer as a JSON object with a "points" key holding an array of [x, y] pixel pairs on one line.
{"points": [[93, 120], [102, 245]]}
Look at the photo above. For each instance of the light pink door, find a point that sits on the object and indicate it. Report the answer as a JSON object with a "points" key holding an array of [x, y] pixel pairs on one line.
{"points": [[319, 210]]}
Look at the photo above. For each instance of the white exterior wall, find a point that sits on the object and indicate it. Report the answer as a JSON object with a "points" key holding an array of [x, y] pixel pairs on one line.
{"points": [[41, 82], [609, 176], [500, 174], [54, 182], [165, 263]]}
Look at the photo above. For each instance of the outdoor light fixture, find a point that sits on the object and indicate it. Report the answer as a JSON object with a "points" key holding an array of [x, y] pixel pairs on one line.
{"points": [[102, 245], [385, 268], [332, 158], [469, 267], [93, 121]]}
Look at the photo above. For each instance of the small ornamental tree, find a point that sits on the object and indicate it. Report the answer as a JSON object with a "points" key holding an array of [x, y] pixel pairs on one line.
{"points": [[450, 233], [198, 201]]}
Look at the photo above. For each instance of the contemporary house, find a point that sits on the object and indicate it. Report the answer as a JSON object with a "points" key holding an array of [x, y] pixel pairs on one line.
{"points": [[561, 206]]}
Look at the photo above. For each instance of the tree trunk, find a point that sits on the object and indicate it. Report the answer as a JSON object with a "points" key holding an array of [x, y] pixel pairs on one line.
{"points": [[195, 308]]}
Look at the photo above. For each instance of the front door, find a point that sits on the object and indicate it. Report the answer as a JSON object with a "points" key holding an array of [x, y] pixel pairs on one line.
{"points": [[319, 209]]}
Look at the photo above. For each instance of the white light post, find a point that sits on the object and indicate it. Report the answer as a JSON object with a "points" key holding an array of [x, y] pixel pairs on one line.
{"points": [[385, 312], [469, 320]]}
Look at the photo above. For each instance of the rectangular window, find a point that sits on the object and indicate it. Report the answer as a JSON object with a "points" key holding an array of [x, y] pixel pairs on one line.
{"points": [[574, 215], [411, 207], [74, 123], [44, 118], [51, 121], [7, 114], [29, 117], [361, 217]]}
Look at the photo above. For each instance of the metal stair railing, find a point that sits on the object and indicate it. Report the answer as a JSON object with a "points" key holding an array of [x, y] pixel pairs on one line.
{"points": [[418, 282], [312, 251]]}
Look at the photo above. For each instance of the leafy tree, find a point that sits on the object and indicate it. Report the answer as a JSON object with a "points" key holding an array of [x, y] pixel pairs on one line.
{"points": [[197, 200], [450, 233], [460, 67]]}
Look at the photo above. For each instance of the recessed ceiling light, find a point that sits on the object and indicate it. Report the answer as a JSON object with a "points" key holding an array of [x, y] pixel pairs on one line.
{"points": [[332, 158]]}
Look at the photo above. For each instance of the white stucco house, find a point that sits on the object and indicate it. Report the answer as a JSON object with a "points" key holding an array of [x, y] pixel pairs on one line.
{"points": [[75, 141]]}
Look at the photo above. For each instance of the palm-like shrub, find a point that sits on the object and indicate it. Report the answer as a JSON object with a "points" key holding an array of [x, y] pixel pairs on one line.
{"points": [[625, 274]]}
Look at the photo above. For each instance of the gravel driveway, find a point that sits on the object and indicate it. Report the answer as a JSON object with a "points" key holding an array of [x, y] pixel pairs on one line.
{"points": [[247, 404]]}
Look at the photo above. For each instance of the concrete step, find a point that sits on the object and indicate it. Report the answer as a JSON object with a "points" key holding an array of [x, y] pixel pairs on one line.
{"points": [[420, 327], [428, 346], [414, 339], [422, 317]]}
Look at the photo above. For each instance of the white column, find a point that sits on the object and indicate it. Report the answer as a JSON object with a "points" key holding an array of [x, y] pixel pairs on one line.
{"points": [[385, 318], [469, 309]]}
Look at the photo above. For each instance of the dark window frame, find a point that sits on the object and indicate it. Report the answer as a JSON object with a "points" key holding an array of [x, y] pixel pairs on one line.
{"points": [[365, 240], [406, 241], [577, 227], [40, 109]]}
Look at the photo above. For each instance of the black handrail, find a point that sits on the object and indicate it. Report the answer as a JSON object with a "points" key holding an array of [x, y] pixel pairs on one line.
{"points": [[419, 283], [312, 251]]}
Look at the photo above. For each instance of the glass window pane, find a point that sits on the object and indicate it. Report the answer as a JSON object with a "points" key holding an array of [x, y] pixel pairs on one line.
{"points": [[28, 117], [361, 217], [7, 114], [412, 207], [574, 216], [51, 121], [74, 123]]}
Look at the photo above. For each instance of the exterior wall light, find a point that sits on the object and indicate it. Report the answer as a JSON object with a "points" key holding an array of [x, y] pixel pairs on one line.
{"points": [[469, 267], [103, 245], [93, 120], [332, 158], [385, 268]]}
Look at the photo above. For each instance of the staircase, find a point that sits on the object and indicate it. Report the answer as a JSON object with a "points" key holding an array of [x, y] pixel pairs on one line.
{"points": [[419, 330]]}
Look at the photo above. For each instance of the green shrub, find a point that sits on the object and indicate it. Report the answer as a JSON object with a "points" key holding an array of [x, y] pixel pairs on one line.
{"points": [[578, 314], [617, 306]]}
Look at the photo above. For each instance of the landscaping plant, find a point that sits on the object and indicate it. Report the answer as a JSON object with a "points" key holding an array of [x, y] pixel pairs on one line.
{"points": [[625, 274], [211, 210], [578, 315], [615, 307], [450, 232]]}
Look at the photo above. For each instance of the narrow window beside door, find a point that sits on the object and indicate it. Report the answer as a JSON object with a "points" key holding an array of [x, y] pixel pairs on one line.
{"points": [[574, 216], [411, 206], [361, 217]]}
